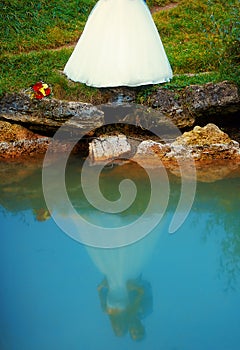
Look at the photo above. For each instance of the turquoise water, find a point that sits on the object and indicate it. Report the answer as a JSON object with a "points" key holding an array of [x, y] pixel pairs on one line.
{"points": [[183, 288]]}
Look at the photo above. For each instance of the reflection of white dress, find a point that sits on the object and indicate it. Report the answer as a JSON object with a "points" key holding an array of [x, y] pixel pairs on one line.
{"points": [[120, 46], [119, 265]]}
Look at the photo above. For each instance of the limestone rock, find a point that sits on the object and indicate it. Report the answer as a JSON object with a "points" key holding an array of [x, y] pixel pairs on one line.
{"points": [[198, 104], [202, 144], [206, 143], [16, 141], [47, 115], [203, 136], [107, 148], [206, 147], [213, 99], [193, 105], [14, 132], [151, 154], [172, 105], [152, 120], [23, 148]]}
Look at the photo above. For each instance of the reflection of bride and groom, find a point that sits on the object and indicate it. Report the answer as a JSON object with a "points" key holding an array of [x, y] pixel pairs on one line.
{"points": [[124, 295]]}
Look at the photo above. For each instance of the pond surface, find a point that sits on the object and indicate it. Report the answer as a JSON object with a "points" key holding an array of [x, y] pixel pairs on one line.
{"points": [[176, 291]]}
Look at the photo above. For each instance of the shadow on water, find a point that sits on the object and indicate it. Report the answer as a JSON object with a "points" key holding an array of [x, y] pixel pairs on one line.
{"points": [[126, 295]]}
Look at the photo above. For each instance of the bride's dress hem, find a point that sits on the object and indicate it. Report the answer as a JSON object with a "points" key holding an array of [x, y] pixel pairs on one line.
{"points": [[111, 85]]}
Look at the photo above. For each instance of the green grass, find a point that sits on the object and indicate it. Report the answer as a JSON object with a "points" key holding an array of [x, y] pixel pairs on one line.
{"points": [[33, 25], [198, 35], [20, 71], [202, 36]]}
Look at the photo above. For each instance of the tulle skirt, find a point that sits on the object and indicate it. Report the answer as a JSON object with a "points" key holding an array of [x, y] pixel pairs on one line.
{"points": [[120, 46]]}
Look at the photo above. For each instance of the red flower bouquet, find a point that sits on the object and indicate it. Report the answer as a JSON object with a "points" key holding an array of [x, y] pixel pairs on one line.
{"points": [[39, 90]]}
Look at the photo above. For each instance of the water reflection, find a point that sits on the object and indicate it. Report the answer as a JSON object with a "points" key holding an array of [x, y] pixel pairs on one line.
{"points": [[167, 291], [218, 202], [124, 295], [127, 307]]}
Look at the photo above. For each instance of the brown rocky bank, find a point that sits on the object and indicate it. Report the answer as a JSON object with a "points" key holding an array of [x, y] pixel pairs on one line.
{"points": [[208, 150], [26, 125]]}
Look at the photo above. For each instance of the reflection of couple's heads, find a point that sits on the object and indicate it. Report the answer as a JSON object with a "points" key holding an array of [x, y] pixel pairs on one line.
{"points": [[126, 307]]}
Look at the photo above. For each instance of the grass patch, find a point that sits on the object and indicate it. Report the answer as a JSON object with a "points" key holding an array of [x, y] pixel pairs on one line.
{"points": [[35, 25], [20, 71], [202, 36], [198, 35]]}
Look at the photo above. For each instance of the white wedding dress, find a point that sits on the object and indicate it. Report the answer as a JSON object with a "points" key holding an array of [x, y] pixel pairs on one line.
{"points": [[120, 46]]}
